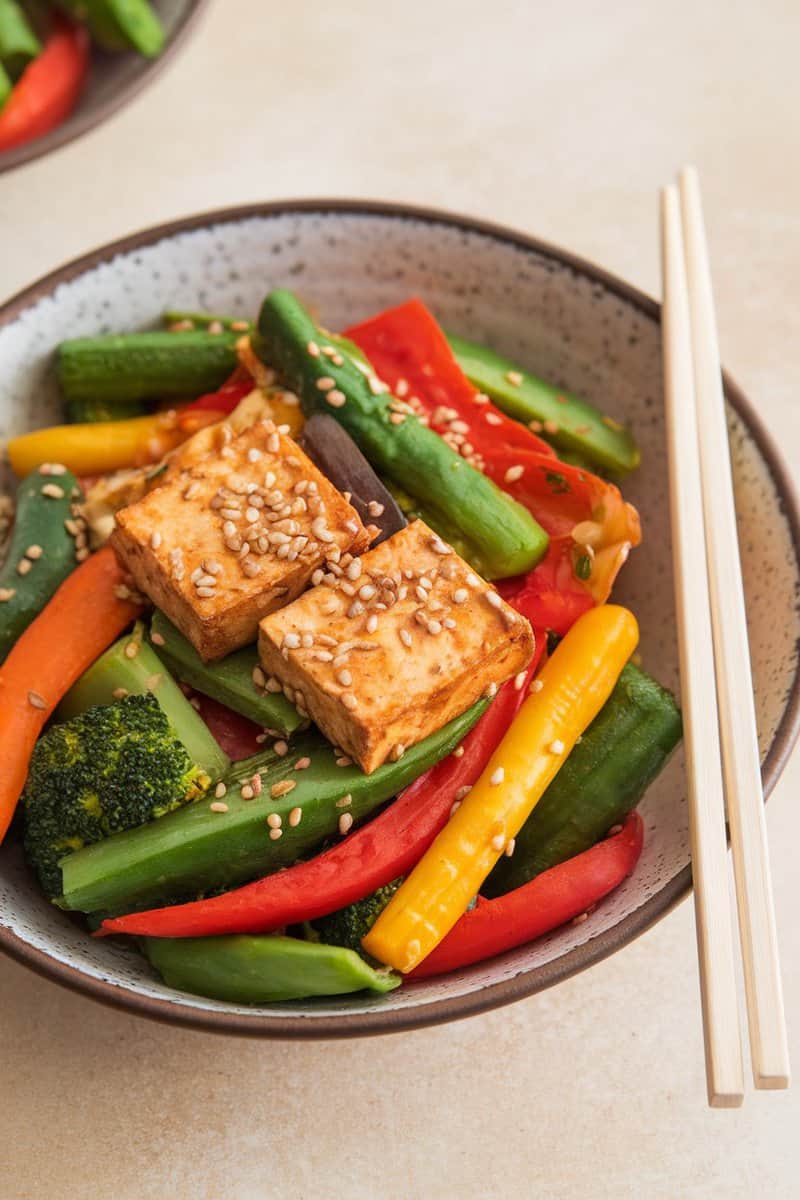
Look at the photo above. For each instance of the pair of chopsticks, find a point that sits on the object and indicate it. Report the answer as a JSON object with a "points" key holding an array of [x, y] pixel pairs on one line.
{"points": [[716, 684]]}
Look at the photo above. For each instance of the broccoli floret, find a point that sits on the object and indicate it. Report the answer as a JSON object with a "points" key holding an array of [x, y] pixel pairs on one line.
{"points": [[109, 769], [349, 925]]}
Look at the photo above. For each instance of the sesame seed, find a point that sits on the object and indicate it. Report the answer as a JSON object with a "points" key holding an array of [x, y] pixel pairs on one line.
{"points": [[344, 678], [220, 790], [313, 349], [513, 474], [282, 788], [250, 568], [557, 746], [325, 383], [498, 841], [320, 530], [458, 752], [375, 508], [23, 566], [345, 823], [372, 623], [7, 594], [255, 784], [131, 649], [493, 599], [454, 807], [273, 443], [275, 834], [497, 776], [336, 398], [191, 491], [550, 427], [155, 539], [519, 681], [273, 685], [52, 469], [440, 547], [460, 596], [281, 748], [240, 326], [536, 685], [120, 693], [580, 918], [82, 555], [345, 801], [615, 829], [195, 703], [510, 847], [397, 418], [349, 701], [274, 820], [535, 426], [153, 681], [36, 700], [291, 641], [218, 806], [53, 491], [434, 628], [302, 764], [514, 378], [405, 638], [34, 552], [247, 792], [397, 752], [491, 691], [344, 761], [254, 455]]}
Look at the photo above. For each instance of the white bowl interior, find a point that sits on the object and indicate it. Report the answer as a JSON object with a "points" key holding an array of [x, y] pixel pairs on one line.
{"points": [[562, 323]]}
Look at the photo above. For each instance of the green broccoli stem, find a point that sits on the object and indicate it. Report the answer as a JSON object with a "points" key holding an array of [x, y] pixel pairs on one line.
{"points": [[132, 667]]}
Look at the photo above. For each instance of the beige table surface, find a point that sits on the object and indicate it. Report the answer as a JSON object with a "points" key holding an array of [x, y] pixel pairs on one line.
{"points": [[561, 120]]}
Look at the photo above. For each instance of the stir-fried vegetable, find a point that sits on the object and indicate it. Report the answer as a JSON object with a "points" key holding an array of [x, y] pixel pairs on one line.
{"points": [[49, 87], [573, 686]]}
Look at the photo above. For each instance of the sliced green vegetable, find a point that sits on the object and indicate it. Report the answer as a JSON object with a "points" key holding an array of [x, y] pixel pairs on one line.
{"points": [[88, 411], [396, 444], [603, 778], [196, 849], [120, 24], [412, 510], [19, 44], [6, 85], [262, 970], [565, 420], [230, 680], [145, 366], [120, 672], [202, 320], [42, 550]]}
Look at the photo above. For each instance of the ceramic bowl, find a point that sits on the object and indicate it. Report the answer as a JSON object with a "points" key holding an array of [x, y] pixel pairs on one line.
{"points": [[113, 80], [569, 322]]}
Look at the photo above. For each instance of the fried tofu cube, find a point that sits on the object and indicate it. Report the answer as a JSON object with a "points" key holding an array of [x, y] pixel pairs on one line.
{"points": [[235, 536], [390, 648]]}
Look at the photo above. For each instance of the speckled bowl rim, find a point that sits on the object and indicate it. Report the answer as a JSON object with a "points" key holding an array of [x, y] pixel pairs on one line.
{"points": [[80, 122], [537, 979]]}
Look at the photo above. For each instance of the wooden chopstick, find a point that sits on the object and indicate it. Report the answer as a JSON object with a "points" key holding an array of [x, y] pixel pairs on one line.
{"points": [[741, 763], [715, 947]]}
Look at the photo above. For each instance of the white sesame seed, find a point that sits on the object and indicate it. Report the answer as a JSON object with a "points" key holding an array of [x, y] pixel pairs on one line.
{"points": [[405, 638], [281, 748], [273, 443], [344, 761], [302, 764], [336, 398], [493, 599], [218, 806], [155, 539], [510, 847], [254, 454], [205, 593], [498, 841], [397, 418], [551, 427], [52, 469], [513, 474], [220, 790], [36, 700], [372, 623], [497, 776], [581, 917], [349, 701], [344, 801], [519, 681], [536, 685], [325, 383], [344, 678], [53, 491], [247, 792], [345, 823], [397, 752], [491, 691], [375, 508], [23, 566], [454, 807], [514, 378], [273, 685], [291, 641], [131, 649], [274, 820], [275, 834], [557, 746], [282, 788], [313, 349], [120, 693], [434, 627], [7, 594]]}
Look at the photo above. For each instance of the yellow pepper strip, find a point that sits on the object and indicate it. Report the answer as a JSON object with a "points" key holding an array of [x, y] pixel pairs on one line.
{"points": [[571, 689], [100, 447]]}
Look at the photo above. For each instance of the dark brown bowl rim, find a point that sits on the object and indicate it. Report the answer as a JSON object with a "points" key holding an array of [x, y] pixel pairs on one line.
{"points": [[527, 982], [83, 119]]}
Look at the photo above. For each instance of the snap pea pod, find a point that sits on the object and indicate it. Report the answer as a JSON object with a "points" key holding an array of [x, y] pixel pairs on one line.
{"points": [[567, 421], [604, 777], [247, 969], [120, 24], [145, 366], [42, 552], [230, 680], [19, 45], [204, 849], [397, 444]]}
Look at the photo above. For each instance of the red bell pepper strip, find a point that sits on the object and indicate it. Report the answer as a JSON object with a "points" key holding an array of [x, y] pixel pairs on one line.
{"points": [[378, 852], [411, 354], [225, 399], [552, 898], [49, 87]]}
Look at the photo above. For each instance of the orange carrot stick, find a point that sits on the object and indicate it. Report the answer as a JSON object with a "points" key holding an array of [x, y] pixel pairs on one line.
{"points": [[85, 615]]}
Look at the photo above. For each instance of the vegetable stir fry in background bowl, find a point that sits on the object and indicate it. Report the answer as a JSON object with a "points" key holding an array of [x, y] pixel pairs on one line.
{"points": [[534, 306], [66, 65]]}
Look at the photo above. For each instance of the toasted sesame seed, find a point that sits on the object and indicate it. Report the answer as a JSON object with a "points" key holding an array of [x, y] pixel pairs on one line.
{"points": [[491, 691], [498, 841], [36, 700], [344, 801], [52, 469], [344, 761], [497, 776], [536, 685], [218, 806], [34, 552], [247, 792], [119, 693], [335, 398], [131, 649], [551, 427], [458, 752], [281, 748], [513, 474], [519, 680], [375, 508], [581, 917], [405, 638], [313, 349], [82, 555], [372, 623], [155, 539], [205, 592], [325, 383], [273, 443], [274, 820], [493, 599], [397, 752], [349, 700], [302, 763], [291, 641], [220, 790], [345, 823], [454, 807], [514, 378], [7, 594], [397, 418], [53, 491], [344, 678], [434, 628], [282, 788], [275, 834], [510, 847], [557, 746], [24, 566]]}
